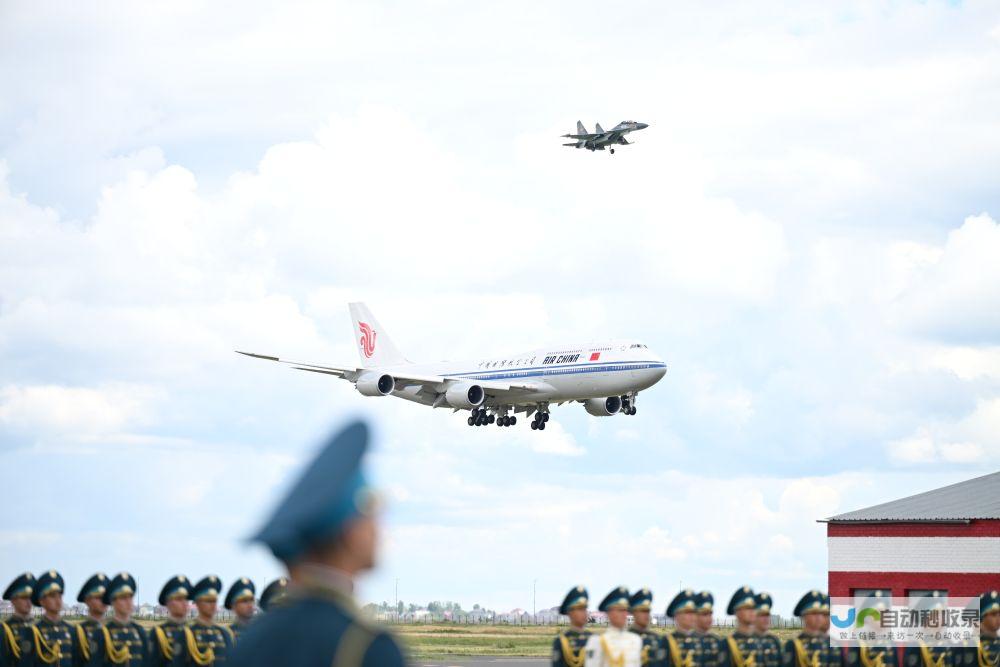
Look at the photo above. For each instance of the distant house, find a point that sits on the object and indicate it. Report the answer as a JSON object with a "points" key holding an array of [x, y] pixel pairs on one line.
{"points": [[945, 540]]}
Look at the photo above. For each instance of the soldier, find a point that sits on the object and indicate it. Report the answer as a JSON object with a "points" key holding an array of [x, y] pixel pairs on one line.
{"points": [[769, 646], [240, 600], [568, 646], [166, 639], [930, 656], [872, 656], [125, 642], [325, 531], [17, 636], [616, 646], [654, 654], [54, 644], [684, 644], [711, 643], [205, 641], [89, 635], [274, 594], [989, 626], [740, 648], [812, 647]]}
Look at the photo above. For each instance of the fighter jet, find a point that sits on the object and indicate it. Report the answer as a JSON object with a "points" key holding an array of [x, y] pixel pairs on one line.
{"points": [[600, 139]]}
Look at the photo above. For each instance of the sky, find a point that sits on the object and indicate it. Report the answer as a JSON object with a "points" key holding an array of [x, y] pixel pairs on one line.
{"points": [[807, 233]]}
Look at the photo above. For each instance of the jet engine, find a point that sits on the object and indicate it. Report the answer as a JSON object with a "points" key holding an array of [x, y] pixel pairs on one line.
{"points": [[373, 384], [464, 395], [603, 407]]}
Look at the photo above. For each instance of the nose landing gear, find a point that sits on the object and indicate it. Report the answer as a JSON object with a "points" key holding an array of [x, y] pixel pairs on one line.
{"points": [[628, 404]]}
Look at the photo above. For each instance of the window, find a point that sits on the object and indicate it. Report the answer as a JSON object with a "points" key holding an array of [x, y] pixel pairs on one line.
{"points": [[927, 592]]}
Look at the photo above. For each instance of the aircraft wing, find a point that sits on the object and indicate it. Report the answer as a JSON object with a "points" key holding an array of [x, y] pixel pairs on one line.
{"points": [[346, 372], [581, 136], [435, 383]]}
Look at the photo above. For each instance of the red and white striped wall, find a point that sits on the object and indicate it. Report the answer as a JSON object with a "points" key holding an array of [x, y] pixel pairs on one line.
{"points": [[963, 559]]}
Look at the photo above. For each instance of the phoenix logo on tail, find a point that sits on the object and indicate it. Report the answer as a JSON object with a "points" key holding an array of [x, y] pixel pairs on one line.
{"points": [[367, 339]]}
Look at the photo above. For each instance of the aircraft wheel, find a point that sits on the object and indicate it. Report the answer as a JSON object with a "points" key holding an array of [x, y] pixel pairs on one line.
{"points": [[612, 151], [499, 423], [471, 420], [541, 427], [545, 417], [632, 412], [534, 426], [493, 418], [513, 421]]}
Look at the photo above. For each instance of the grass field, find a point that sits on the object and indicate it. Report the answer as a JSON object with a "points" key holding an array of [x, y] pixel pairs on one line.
{"points": [[433, 641]]}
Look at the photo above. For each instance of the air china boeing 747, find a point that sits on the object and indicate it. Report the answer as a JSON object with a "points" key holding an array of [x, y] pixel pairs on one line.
{"points": [[605, 377]]}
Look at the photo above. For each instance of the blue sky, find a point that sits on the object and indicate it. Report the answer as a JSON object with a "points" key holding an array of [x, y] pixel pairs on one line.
{"points": [[806, 233]]}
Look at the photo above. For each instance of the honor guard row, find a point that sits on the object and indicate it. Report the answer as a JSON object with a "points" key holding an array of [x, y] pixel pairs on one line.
{"points": [[324, 531], [115, 639], [751, 644]]}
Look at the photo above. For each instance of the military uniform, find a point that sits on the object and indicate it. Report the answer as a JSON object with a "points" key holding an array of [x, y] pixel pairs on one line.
{"points": [[205, 642], [17, 635], [684, 648], [568, 646], [89, 645], [166, 638], [873, 656], [54, 643], [654, 652], [318, 622], [711, 653], [740, 648], [615, 647], [768, 644], [242, 590], [125, 642], [988, 650], [932, 656], [811, 650]]}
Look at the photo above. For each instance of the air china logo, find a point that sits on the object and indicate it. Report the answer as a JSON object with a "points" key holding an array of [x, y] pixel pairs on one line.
{"points": [[367, 339]]}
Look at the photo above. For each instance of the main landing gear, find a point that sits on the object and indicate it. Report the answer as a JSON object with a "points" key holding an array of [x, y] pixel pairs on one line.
{"points": [[628, 404], [538, 423], [612, 151], [481, 417]]}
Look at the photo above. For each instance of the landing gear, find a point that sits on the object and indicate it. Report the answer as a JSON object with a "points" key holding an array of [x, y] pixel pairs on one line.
{"points": [[538, 423], [628, 404], [612, 151]]}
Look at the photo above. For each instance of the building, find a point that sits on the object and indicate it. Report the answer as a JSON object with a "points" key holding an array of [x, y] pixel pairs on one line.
{"points": [[945, 540]]}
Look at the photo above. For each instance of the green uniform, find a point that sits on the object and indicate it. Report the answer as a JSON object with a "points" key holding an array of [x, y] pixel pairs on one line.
{"points": [[567, 648], [769, 650], [713, 650], [56, 642], [88, 649], [740, 649], [17, 643], [654, 650], [871, 656], [165, 641], [684, 649], [988, 651], [239, 627], [125, 644], [809, 650], [205, 644]]}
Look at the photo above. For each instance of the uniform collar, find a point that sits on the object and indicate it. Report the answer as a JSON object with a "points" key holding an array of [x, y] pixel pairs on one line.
{"points": [[314, 575]]}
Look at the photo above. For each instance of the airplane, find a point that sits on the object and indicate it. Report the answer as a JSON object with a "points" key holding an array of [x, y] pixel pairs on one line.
{"points": [[599, 139], [606, 377]]}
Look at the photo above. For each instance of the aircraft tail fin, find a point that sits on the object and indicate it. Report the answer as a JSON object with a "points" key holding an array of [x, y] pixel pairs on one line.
{"points": [[375, 348], [580, 129], [598, 129]]}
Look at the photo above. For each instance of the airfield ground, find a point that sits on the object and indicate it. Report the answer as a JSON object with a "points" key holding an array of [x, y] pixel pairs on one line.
{"points": [[429, 644]]}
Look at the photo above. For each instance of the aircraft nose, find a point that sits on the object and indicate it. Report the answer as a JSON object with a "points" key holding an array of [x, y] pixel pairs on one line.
{"points": [[643, 126]]}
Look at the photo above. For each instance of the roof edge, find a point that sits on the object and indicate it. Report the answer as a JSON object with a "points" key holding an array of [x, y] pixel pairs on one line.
{"points": [[835, 520]]}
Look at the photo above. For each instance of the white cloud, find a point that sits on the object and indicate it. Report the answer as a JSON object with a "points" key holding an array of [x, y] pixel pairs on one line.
{"points": [[75, 411]]}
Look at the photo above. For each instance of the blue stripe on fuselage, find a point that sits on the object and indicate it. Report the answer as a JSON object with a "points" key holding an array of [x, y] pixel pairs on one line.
{"points": [[540, 371]]}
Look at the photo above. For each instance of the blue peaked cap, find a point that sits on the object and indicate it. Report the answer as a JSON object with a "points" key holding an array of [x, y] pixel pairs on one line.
{"points": [[330, 492]]}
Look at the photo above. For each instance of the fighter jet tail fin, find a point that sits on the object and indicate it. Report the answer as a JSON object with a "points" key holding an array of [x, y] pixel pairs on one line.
{"points": [[580, 129], [375, 348], [598, 129]]}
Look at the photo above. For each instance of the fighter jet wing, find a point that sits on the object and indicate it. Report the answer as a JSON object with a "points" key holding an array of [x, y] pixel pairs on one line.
{"points": [[580, 136]]}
